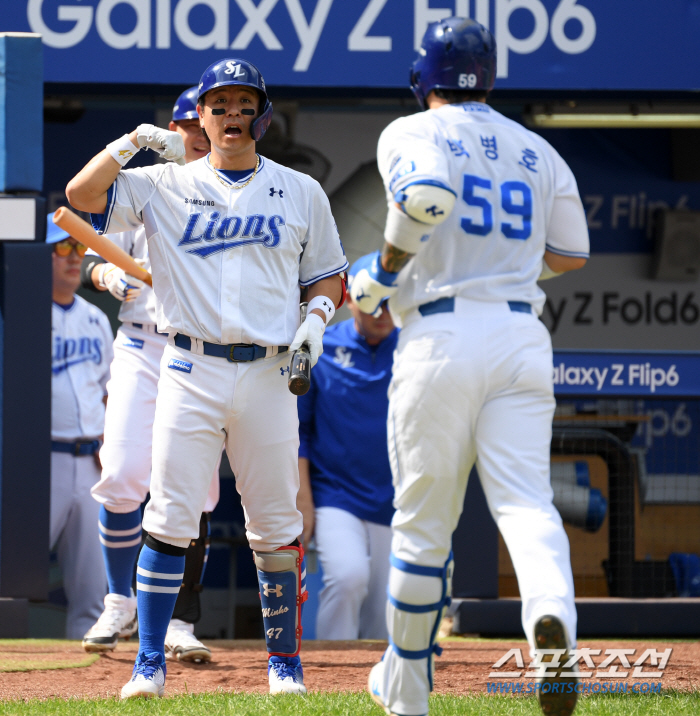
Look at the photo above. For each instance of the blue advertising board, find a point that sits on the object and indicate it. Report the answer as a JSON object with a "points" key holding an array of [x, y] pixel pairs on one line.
{"points": [[634, 374], [623, 176], [542, 44]]}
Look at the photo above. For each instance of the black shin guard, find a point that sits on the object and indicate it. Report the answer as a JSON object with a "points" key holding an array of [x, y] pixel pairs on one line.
{"points": [[187, 606]]}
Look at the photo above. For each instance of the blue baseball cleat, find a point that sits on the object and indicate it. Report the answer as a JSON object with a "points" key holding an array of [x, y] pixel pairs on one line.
{"points": [[286, 675], [148, 678]]}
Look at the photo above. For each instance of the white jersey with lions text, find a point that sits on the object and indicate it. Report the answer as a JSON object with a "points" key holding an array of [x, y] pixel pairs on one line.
{"points": [[213, 246], [81, 352], [516, 197]]}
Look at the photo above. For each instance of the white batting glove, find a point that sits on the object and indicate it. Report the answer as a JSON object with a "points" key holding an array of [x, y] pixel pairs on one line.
{"points": [[311, 333], [168, 144], [123, 286], [371, 285]]}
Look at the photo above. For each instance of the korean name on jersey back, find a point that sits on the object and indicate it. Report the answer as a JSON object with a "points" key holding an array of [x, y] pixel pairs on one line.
{"points": [[215, 232]]}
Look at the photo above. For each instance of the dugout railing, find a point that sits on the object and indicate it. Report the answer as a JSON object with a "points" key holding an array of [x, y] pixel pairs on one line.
{"points": [[637, 559]]}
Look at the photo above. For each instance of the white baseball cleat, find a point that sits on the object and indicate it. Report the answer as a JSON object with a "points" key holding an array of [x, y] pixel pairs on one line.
{"points": [[556, 694], [286, 675], [117, 621], [148, 678], [376, 676], [181, 643]]}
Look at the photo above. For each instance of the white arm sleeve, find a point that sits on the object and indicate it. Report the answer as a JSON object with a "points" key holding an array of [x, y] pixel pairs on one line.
{"points": [[546, 272], [567, 232]]}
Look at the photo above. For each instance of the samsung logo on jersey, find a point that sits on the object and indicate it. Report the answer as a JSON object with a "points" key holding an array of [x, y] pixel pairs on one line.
{"points": [[199, 202], [221, 233]]}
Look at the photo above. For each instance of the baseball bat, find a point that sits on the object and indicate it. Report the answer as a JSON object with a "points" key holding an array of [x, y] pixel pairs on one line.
{"points": [[299, 380], [81, 231]]}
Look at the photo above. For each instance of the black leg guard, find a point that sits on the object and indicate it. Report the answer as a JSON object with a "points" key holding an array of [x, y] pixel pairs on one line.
{"points": [[187, 606]]}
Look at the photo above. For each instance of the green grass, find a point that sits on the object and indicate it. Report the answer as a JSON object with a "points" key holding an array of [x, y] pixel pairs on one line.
{"points": [[47, 662], [345, 704], [33, 654]]}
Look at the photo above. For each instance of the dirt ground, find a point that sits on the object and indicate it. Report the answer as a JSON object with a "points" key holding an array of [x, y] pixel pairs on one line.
{"points": [[240, 666]]}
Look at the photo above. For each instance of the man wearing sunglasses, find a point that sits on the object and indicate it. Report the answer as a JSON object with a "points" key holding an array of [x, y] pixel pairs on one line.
{"points": [[81, 346]]}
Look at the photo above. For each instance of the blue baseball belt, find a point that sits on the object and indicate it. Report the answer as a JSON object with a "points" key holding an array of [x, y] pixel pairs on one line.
{"points": [[233, 352], [77, 448], [447, 305]]}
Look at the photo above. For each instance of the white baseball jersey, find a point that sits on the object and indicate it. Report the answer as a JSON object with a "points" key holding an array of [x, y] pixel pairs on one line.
{"points": [[516, 197], [81, 342], [213, 247], [143, 308]]}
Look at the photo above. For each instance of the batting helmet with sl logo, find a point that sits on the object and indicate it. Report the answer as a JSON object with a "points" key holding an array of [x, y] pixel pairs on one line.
{"points": [[186, 105], [232, 71], [456, 54]]}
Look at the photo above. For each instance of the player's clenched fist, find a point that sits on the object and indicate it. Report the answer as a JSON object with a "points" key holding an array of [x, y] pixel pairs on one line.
{"points": [[168, 144], [311, 333], [120, 284], [372, 284]]}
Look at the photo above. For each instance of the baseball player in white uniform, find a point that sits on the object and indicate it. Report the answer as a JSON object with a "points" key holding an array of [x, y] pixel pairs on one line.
{"points": [[479, 209], [231, 239], [126, 454], [81, 345]]}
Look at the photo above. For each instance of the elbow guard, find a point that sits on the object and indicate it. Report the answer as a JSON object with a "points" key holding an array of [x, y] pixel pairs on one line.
{"points": [[89, 263], [426, 203]]}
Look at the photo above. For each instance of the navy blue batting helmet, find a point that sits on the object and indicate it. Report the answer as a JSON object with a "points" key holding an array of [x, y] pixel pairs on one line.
{"points": [[186, 105], [232, 71], [457, 54]]}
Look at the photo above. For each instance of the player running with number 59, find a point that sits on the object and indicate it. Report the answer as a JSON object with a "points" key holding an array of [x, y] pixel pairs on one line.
{"points": [[231, 238], [480, 209]]}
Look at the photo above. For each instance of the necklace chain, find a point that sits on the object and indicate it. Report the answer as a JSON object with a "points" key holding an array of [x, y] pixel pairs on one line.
{"points": [[238, 186]]}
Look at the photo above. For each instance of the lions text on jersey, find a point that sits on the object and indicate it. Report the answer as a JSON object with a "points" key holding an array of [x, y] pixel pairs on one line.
{"points": [[212, 247], [81, 354]]}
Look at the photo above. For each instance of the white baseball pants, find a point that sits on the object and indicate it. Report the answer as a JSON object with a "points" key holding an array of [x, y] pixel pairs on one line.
{"points": [[471, 386], [354, 555], [73, 532], [248, 408], [126, 453]]}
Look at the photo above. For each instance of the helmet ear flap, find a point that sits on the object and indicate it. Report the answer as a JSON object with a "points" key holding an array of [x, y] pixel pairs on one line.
{"points": [[414, 81], [260, 125]]}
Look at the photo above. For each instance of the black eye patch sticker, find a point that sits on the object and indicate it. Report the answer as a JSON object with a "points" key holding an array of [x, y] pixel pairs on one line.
{"points": [[218, 111], [247, 111]]}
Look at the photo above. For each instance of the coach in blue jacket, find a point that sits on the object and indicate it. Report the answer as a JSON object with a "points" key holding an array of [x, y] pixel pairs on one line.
{"points": [[346, 492]]}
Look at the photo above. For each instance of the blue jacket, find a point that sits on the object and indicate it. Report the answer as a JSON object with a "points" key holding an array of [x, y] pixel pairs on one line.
{"points": [[342, 424]]}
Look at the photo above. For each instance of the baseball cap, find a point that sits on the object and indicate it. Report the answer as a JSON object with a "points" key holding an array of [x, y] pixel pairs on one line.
{"points": [[54, 233]]}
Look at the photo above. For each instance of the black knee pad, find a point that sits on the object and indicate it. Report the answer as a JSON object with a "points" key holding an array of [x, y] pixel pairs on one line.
{"points": [[187, 606]]}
